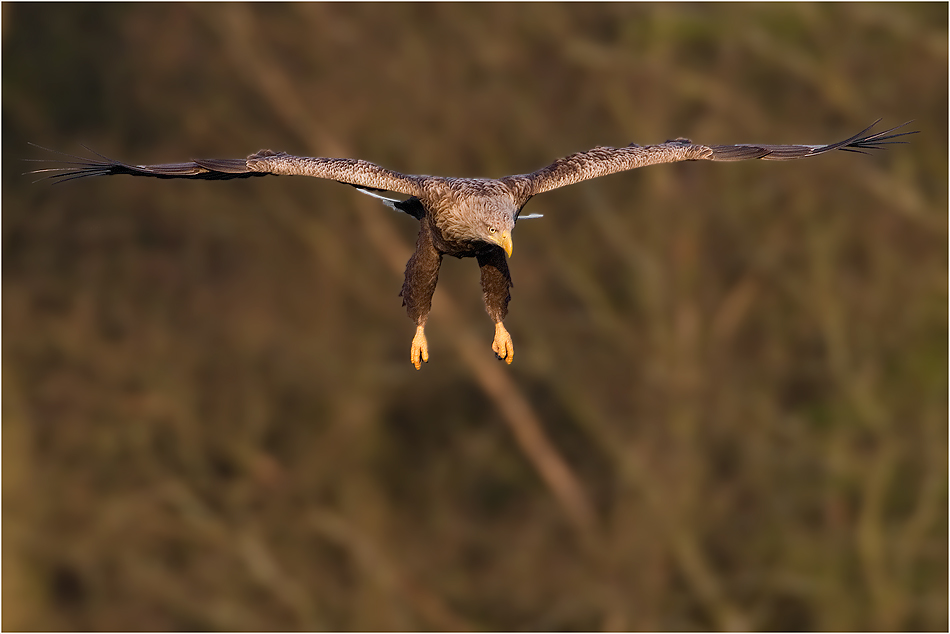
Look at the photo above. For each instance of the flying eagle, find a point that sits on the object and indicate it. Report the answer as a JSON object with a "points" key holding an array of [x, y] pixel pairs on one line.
{"points": [[465, 217]]}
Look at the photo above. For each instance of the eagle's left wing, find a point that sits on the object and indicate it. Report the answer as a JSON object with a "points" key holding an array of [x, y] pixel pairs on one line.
{"points": [[602, 161]]}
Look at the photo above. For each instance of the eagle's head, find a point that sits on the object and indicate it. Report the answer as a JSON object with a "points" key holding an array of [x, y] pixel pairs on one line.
{"points": [[495, 225], [478, 213]]}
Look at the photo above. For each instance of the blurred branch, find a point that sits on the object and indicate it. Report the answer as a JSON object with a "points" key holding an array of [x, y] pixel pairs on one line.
{"points": [[250, 549], [872, 541], [900, 197], [375, 564], [679, 538], [855, 379], [931, 495], [19, 595]]}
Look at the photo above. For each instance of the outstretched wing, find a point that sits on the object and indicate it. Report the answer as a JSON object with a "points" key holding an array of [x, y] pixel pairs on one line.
{"points": [[350, 171], [607, 160]]}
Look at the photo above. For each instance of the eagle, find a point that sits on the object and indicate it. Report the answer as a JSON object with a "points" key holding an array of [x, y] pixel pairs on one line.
{"points": [[464, 217]]}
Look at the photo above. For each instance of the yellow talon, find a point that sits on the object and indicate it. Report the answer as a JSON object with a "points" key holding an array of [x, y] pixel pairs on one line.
{"points": [[419, 352], [503, 347]]}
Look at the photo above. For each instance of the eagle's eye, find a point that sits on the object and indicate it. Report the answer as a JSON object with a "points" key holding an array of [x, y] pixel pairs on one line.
{"points": [[491, 230]]}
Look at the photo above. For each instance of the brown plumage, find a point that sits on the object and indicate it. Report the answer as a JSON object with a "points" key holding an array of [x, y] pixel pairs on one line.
{"points": [[465, 217]]}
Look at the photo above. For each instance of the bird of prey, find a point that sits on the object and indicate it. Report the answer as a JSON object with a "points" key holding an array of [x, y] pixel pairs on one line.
{"points": [[466, 217]]}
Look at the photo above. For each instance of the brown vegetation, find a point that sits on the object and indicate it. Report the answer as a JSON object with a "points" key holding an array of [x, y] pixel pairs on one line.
{"points": [[729, 403]]}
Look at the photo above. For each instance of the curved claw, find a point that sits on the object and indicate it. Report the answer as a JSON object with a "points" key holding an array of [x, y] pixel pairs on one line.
{"points": [[419, 353], [502, 345]]}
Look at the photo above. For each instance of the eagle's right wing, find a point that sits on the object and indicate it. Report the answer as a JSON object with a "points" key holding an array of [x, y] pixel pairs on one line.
{"points": [[351, 171]]}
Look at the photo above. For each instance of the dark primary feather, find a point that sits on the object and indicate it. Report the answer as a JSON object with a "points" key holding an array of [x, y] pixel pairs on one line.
{"points": [[202, 169], [857, 143]]}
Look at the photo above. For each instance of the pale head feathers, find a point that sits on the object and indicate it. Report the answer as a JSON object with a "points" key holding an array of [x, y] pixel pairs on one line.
{"points": [[472, 209]]}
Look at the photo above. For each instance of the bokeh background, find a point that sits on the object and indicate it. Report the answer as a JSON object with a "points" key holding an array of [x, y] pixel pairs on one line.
{"points": [[728, 406]]}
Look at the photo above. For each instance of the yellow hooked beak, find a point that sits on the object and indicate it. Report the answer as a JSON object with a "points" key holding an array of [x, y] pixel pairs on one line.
{"points": [[504, 241]]}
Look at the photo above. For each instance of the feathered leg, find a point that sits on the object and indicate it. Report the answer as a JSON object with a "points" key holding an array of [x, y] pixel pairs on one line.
{"points": [[496, 285], [422, 275]]}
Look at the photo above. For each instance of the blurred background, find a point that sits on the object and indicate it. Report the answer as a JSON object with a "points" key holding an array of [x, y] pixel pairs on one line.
{"points": [[728, 406]]}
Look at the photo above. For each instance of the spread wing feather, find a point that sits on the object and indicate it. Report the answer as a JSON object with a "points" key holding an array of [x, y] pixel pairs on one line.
{"points": [[607, 160], [351, 171]]}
